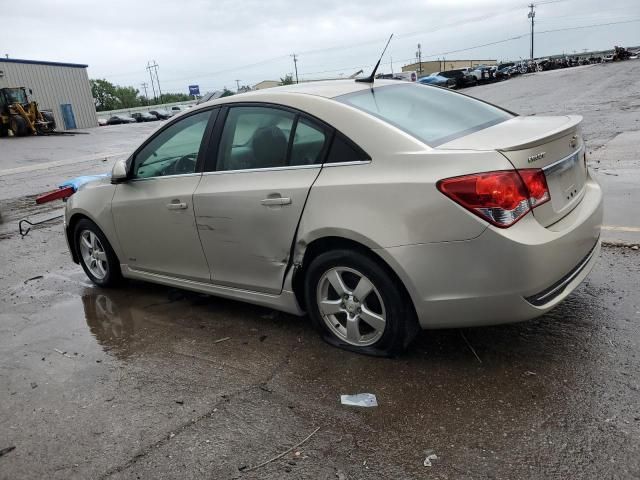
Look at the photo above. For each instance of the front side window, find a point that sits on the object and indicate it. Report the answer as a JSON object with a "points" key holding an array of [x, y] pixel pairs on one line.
{"points": [[174, 151], [432, 115], [255, 137]]}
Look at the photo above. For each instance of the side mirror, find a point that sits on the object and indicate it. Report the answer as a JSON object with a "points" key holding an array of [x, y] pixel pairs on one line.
{"points": [[119, 171]]}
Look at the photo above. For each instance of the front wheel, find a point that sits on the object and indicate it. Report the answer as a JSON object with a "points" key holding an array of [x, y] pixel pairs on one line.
{"points": [[357, 305], [96, 256]]}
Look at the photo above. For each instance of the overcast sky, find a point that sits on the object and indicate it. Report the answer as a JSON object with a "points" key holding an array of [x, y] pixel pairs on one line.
{"points": [[212, 43]]}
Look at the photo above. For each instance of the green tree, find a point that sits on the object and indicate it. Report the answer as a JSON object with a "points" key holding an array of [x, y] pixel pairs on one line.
{"points": [[287, 80], [104, 95], [127, 97], [226, 92], [175, 97]]}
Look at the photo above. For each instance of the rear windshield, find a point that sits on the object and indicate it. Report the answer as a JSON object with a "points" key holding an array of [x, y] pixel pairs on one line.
{"points": [[432, 115]]}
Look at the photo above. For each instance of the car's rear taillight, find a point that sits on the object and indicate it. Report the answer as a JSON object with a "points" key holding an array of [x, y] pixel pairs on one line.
{"points": [[502, 198]]}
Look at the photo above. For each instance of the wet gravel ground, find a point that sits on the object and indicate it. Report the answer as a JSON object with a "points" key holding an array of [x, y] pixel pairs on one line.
{"points": [[151, 382]]}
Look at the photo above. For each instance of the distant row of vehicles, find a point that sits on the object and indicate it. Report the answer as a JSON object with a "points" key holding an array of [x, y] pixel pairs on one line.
{"points": [[468, 77], [139, 117]]}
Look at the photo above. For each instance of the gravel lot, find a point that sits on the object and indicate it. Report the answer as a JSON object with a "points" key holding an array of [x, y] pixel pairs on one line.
{"points": [[152, 382]]}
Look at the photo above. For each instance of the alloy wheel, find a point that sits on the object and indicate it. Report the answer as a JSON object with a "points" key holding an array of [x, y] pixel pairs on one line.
{"points": [[351, 306], [93, 254]]}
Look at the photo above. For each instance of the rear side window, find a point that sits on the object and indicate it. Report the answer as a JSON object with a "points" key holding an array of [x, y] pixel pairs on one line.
{"points": [[308, 143], [255, 137], [432, 115], [344, 150]]}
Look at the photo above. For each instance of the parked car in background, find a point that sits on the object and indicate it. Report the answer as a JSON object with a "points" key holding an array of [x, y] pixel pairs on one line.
{"points": [[377, 209], [102, 121], [438, 81], [175, 109], [144, 117], [460, 76], [120, 119], [608, 58], [411, 76], [484, 73], [505, 70], [161, 114]]}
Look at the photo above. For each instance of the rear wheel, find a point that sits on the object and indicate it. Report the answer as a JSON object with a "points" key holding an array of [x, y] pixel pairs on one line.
{"points": [[96, 256], [357, 305], [4, 130], [18, 126]]}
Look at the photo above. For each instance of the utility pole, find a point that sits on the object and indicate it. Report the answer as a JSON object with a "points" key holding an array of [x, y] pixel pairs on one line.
{"points": [[295, 65], [419, 55], [531, 15], [153, 86], [237, 85], [144, 86], [154, 66]]}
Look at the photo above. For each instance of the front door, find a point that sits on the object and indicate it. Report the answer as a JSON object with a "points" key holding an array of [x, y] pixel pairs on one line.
{"points": [[248, 209], [153, 211]]}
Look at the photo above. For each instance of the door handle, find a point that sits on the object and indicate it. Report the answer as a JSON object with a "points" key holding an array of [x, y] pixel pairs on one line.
{"points": [[275, 201], [176, 205]]}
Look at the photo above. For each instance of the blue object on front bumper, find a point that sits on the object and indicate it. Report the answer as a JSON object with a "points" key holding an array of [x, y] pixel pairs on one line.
{"points": [[77, 182]]}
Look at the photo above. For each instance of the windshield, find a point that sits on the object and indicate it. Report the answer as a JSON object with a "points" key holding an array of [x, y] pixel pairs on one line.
{"points": [[16, 95], [432, 115]]}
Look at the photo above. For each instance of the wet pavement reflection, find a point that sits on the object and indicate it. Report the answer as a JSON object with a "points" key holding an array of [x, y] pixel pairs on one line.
{"points": [[556, 397]]}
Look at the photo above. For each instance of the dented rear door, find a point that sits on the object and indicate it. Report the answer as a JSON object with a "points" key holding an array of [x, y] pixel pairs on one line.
{"points": [[247, 221], [247, 210]]}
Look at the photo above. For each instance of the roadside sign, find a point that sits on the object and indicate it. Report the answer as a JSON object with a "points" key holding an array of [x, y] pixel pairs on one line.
{"points": [[194, 89]]}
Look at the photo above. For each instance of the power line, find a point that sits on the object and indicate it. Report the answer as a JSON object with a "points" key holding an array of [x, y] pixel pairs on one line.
{"points": [[295, 65], [154, 66], [532, 15], [155, 99]]}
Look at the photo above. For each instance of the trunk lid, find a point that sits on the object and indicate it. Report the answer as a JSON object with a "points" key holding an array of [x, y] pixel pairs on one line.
{"points": [[553, 144]]}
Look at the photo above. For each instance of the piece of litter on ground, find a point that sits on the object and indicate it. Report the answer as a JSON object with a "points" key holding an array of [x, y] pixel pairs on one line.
{"points": [[222, 339], [427, 461], [62, 353], [530, 373], [359, 400]]}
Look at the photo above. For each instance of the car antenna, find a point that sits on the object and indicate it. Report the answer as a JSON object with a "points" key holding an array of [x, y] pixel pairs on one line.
{"points": [[372, 77]]}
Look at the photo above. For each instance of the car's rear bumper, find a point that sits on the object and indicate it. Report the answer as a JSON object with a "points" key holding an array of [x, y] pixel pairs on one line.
{"points": [[503, 275]]}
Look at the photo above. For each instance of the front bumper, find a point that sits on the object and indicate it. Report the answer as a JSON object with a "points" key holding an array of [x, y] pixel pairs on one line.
{"points": [[501, 275]]}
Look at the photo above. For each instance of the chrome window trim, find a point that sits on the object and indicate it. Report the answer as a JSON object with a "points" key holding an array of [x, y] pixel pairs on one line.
{"points": [[346, 164], [164, 176], [564, 163], [267, 169], [290, 167]]}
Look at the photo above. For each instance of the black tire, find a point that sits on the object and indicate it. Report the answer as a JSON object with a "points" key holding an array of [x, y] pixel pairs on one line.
{"points": [[112, 275], [4, 130], [18, 126], [48, 116], [401, 324]]}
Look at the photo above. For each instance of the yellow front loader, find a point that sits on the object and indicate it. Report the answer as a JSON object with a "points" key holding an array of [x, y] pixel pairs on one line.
{"points": [[22, 117]]}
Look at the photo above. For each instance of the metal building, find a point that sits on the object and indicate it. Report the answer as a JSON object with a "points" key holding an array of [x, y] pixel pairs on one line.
{"points": [[60, 87]]}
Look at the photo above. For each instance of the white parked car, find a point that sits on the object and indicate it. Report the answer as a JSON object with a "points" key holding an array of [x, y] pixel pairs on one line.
{"points": [[376, 209]]}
